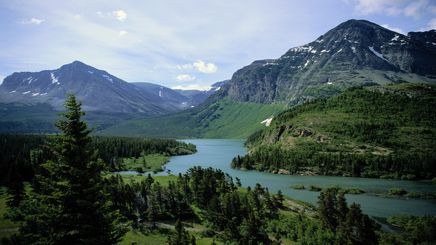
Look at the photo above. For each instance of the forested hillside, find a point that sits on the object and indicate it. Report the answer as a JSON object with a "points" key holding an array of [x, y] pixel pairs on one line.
{"points": [[375, 131]]}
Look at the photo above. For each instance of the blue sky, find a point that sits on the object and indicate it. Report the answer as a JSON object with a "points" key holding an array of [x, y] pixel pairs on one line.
{"points": [[180, 43]]}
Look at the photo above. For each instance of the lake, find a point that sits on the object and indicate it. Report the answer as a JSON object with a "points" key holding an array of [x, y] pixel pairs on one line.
{"points": [[218, 153]]}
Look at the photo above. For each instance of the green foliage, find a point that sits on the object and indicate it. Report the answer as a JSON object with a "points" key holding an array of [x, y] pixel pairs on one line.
{"points": [[202, 194], [20, 155], [350, 225], [367, 132], [67, 203], [151, 162], [397, 192], [298, 187], [314, 188], [180, 236], [413, 230]]}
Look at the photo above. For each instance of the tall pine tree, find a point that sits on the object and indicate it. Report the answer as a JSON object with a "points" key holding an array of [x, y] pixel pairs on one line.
{"points": [[68, 204]]}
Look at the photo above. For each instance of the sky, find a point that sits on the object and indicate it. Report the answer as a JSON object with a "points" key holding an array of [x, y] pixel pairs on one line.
{"points": [[185, 44]]}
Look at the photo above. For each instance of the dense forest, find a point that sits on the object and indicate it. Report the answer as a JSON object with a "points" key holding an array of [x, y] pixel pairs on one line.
{"points": [[368, 132], [20, 155]]}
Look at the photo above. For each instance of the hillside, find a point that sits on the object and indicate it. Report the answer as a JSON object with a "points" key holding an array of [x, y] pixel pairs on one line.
{"points": [[216, 118], [372, 131]]}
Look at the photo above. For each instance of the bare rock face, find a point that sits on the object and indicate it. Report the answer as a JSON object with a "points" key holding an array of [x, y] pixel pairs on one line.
{"points": [[356, 52]]}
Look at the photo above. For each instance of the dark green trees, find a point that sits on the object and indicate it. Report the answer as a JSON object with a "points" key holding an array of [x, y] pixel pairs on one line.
{"points": [[348, 223], [67, 204], [180, 236]]}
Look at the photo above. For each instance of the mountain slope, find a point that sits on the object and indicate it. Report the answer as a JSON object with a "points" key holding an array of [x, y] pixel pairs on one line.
{"points": [[370, 132], [171, 97], [97, 89], [216, 118], [353, 53], [31, 101]]}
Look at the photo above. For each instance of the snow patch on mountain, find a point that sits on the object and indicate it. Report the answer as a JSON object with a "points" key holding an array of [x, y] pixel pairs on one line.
{"points": [[108, 78], [378, 54], [54, 80], [267, 122]]}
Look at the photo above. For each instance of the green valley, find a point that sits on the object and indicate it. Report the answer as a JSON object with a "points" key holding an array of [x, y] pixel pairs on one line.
{"points": [[220, 118]]}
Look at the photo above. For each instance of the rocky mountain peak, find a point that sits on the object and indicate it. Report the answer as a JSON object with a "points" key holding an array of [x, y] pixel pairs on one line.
{"points": [[353, 53]]}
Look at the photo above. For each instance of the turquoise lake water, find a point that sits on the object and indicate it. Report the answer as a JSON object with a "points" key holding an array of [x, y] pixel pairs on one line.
{"points": [[218, 153]]}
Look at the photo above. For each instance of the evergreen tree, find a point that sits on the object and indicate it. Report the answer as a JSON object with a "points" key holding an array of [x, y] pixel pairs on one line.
{"points": [[180, 236], [68, 204]]}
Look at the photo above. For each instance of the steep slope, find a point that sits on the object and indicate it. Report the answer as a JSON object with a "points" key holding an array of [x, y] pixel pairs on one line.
{"points": [[374, 131], [215, 118], [97, 89], [353, 53]]}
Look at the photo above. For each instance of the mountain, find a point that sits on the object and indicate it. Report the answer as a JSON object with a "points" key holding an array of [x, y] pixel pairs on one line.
{"points": [[170, 96], [197, 97], [31, 101], [371, 131], [355, 53], [97, 89]]}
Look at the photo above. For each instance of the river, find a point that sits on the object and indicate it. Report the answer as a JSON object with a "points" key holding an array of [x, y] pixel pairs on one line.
{"points": [[218, 153]]}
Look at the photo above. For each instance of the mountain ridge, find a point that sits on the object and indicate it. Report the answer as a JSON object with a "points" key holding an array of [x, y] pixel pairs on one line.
{"points": [[349, 55], [29, 99], [353, 53]]}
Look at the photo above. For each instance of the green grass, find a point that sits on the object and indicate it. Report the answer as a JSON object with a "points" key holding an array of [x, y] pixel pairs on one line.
{"points": [[220, 119], [152, 162], [163, 180], [139, 238]]}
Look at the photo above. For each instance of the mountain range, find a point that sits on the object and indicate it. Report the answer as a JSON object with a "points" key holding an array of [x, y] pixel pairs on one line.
{"points": [[355, 53], [28, 96]]}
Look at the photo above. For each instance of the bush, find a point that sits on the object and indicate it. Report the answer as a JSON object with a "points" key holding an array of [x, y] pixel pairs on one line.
{"points": [[298, 187], [397, 192]]}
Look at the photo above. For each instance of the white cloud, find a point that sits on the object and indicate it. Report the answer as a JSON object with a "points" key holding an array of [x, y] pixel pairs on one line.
{"points": [[122, 33], [393, 7], [415, 8], [33, 21], [1, 79], [121, 15], [185, 77], [200, 66], [393, 29], [432, 24], [192, 87]]}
